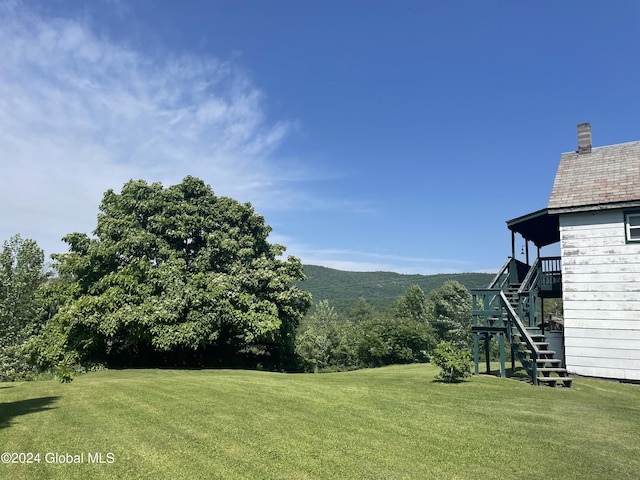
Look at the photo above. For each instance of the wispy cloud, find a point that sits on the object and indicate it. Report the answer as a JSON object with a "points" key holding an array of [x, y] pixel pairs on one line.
{"points": [[80, 113]]}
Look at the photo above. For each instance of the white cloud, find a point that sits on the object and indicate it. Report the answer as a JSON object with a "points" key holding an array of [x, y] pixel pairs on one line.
{"points": [[80, 114], [362, 261]]}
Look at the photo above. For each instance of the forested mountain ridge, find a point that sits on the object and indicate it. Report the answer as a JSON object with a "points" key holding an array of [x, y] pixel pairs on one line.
{"points": [[381, 289]]}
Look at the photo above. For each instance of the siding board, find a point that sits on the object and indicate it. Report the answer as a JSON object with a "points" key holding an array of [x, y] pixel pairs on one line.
{"points": [[590, 360], [595, 371], [571, 324], [608, 259], [595, 287], [604, 333], [621, 249], [617, 348], [607, 268], [603, 296]]}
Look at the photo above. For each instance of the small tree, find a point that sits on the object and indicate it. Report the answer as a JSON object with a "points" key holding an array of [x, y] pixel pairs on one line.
{"points": [[412, 304], [361, 311], [454, 362], [449, 312], [314, 345]]}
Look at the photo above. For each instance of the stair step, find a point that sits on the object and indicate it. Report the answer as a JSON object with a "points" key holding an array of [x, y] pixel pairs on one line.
{"points": [[537, 344], [541, 352], [532, 335], [552, 381], [548, 360], [557, 370]]}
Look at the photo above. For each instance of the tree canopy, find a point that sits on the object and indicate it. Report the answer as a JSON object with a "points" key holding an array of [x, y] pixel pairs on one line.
{"points": [[174, 275]]}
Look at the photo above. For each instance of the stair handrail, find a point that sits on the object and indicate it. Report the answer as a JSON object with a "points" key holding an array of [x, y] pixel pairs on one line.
{"points": [[531, 280], [501, 272], [524, 334], [528, 290]]}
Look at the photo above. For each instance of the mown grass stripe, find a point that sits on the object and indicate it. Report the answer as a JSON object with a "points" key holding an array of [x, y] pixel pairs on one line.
{"points": [[387, 423]]}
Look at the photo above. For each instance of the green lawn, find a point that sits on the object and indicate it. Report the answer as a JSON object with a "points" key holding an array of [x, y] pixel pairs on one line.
{"points": [[386, 423]]}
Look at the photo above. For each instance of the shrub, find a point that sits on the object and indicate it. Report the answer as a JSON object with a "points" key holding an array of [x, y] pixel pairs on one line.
{"points": [[454, 362]]}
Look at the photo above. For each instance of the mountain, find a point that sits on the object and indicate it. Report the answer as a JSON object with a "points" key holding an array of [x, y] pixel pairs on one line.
{"points": [[381, 289]]}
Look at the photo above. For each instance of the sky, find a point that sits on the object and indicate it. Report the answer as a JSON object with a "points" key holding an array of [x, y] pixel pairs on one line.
{"points": [[371, 135]]}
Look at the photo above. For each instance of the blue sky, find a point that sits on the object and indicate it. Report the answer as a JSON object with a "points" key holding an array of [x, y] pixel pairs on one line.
{"points": [[372, 135]]}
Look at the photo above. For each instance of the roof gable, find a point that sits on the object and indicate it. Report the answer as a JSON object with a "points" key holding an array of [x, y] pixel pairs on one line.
{"points": [[607, 177]]}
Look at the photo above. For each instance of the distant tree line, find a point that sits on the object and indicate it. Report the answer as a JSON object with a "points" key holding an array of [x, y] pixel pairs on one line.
{"points": [[409, 333], [381, 289]]}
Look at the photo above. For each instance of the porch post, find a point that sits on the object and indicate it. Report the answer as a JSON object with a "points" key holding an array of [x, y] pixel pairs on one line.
{"points": [[513, 359], [501, 343], [487, 359], [476, 352]]}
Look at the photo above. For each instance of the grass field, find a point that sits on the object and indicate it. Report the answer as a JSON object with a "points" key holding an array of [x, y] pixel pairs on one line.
{"points": [[386, 423]]}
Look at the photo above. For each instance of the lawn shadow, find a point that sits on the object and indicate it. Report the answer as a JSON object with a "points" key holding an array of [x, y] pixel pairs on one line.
{"points": [[10, 410], [449, 382], [517, 373]]}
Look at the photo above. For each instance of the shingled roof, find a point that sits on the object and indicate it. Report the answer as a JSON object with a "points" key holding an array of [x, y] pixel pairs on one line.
{"points": [[606, 177]]}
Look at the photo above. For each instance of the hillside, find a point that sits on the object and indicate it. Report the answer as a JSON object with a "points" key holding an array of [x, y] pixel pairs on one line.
{"points": [[380, 288]]}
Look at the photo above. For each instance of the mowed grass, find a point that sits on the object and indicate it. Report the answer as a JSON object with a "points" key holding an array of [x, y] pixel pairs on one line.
{"points": [[388, 423]]}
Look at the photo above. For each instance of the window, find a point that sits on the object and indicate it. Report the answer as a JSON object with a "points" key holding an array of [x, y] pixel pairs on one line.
{"points": [[632, 226]]}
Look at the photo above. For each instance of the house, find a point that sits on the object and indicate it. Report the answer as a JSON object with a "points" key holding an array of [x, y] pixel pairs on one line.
{"points": [[594, 214]]}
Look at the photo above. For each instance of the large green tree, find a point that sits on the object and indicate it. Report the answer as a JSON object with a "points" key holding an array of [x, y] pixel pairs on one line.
{"points": [[175, 275], [21, 275]]}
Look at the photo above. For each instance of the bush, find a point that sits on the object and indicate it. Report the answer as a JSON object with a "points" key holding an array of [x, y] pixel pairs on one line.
{"points": [[454, 362]]}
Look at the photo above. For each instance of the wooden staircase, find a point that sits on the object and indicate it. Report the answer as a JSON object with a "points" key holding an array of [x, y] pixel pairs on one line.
{"points": [[548, 367], [504, 311]]}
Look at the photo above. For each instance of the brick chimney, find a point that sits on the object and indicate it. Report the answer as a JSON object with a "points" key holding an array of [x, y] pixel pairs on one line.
{"points": [[584, 138]]}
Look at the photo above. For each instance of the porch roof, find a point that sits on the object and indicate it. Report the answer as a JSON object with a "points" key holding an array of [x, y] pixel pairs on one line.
{"points": [[541, 227]]}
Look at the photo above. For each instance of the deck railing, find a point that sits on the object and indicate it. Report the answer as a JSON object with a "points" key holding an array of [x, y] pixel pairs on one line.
{"points": [[551, 269]]}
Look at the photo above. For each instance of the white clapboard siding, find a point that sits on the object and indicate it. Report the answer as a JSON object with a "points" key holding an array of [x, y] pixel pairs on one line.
{"points": [[605, 269], [605, 333], [607, 258], [596, 287], [601, 305], [613, 344], [601, 295], [607, 251], [589, 360], [599, 371], [589, 323]]}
